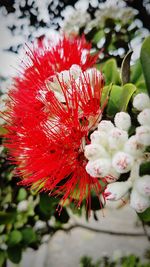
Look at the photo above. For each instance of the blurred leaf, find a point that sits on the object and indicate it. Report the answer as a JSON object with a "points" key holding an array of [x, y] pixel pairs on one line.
{"points": [[47, 204], [63, 217], [2, 257], [127, 92], [28, 236], [111, 72], [145, 168], [14, 254], [98, 36], [7, 217], [3, 130], [125, 68], [14, 238], [22, 194], [145, 216], [114, 100], [145, 61]]}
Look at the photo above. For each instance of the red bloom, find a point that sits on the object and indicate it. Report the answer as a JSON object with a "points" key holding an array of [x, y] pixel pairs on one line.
{"points": [[46, 136]]}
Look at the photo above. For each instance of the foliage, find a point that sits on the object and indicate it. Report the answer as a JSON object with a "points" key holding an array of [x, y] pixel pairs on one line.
{"points": [[125, 261]]}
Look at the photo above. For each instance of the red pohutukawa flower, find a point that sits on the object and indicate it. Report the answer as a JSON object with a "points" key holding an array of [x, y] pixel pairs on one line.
{"points": [[53, 106]]}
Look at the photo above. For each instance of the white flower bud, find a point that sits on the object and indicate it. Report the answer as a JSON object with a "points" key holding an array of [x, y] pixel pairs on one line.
{"points": [[94, 151], [113, 176], [133, 147], [117, 138], [122, 162], [98, 137], [22, 206], [99, 167], [141, 101], [142, 184], [139, 202], [122, 121], [144, 117], [143, 135], [117, 190], [39, 225], [105, 126]]}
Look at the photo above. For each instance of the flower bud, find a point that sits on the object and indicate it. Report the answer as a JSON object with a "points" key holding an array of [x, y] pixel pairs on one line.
{"points": [[99, 167], [133, 147], [117, 190], [105, 126], [139, 202], [143, 135], [141, 101], [122, 121], [99, 137], [113, 176], [122, 162], [144, 117], [22, 206], [94, 151], [142, 185], [117, 138]]}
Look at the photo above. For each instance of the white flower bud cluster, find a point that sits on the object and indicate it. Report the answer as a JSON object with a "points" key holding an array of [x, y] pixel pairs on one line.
{"points": [[112, 152]]}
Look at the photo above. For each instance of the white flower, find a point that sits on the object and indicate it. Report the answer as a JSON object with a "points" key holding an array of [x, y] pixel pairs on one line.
{"points": [[142, 184], [94, 151], [143, 135], [117, 138], [141, 101], [139, 202], [144, 117], [39, 225], [22, 206], [99, 167], [105, 126], [134, 147], [122, 121], [117, 190], [99, 137], [122, 162]]}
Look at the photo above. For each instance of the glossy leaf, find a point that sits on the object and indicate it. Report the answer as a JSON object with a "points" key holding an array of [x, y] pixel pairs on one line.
{"points": [[111, 72], [114, 102], [127, 92], [145, 61]]}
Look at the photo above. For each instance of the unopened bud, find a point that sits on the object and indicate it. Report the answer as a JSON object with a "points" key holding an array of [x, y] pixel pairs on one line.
{"points": [[117, 138], [141, 101], [143, 135], [117, 190], [122, 121], [94, 151], [142, 184], [144, 117], [139, 202], [134, 147], [105, 126], [98, 168], [122, 162]]}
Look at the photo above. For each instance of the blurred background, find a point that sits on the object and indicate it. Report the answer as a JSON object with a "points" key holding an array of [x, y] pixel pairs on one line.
{"points": [[31, 231]]}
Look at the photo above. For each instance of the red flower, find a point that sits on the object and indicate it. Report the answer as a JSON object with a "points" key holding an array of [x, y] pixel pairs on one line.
{"points": [[46, 135]]}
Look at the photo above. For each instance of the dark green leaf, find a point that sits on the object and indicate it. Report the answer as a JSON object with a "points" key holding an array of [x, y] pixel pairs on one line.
{"points": [[145, 216], [7, 217], [2, 257], [127, 92], [14, 238], [14, 254], [63, 217], [125, 68], [47, 204], [114, 100], [28, 236], [111, 72], [145, 168], [145, 61]]}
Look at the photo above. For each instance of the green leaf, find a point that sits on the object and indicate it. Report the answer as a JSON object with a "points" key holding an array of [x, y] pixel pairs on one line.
{"points": [[125, 68], [47, 204], [63, 217], [14, 238], [28, 236], [7, 217], [22, 194], [145, 216], [98, 36], [127, 92], [136, 72], [3, 131], [145, 168], [105, 94], [145, 61], [2, 257], [14, 254], [111, 72], [114, 100]]}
